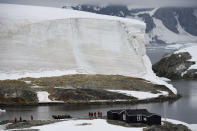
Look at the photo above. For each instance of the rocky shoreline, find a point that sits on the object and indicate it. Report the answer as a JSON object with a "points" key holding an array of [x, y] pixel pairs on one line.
{"points": [[170, 99], [177, 65]]}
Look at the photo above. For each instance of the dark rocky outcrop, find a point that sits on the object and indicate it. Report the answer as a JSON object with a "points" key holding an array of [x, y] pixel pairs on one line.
{"points": [[168, 18], [175, 66], [83, 95], [188, 20], [149, 22], [16, 92]]}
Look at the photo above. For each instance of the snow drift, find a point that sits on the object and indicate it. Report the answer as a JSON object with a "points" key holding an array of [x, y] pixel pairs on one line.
{"points": [[36, 40]]}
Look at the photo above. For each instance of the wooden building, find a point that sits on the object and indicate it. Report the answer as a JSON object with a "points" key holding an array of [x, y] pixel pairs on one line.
{"points": [[135, 116]]}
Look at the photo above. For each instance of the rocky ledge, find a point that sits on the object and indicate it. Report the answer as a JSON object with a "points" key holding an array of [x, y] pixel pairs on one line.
{"points": [[177, 65], [82, 88]]}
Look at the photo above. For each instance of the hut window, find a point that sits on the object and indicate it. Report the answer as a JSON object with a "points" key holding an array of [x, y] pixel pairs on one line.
{"points": [[139, 118], [145, 119]]}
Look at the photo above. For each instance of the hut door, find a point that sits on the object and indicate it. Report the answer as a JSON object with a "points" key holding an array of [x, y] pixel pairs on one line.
{"points": [[124, 117]]}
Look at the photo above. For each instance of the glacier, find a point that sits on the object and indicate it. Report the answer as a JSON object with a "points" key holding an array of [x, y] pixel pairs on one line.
{"points": [[44, 41]]}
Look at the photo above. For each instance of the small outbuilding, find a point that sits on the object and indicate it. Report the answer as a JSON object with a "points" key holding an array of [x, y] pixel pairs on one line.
{"points": [[114, 114], [135, 116]]}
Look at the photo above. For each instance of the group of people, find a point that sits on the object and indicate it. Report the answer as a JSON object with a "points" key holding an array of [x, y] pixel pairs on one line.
{"points": [[20, 118], [98, 114]]}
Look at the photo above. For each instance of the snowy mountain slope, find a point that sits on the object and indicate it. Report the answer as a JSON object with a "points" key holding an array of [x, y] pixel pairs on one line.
{"points": [[40, 41], [180, 24]]}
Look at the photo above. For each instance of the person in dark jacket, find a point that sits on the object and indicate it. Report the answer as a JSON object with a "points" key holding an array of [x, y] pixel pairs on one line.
{"points": [[20, 119], [32, 117]]}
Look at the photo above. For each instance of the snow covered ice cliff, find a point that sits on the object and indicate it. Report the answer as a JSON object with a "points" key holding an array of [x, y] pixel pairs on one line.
{"points": [[43, 41]]}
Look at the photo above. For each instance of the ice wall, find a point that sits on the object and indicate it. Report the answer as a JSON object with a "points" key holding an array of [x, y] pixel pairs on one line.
{"points": [[91, 44], [43, 41]]}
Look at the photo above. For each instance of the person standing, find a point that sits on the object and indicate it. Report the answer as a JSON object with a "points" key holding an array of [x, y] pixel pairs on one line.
{"points": [[15, 119], [20, 119], [32, 117]]}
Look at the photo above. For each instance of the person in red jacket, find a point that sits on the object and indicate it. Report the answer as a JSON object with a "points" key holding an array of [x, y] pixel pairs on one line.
{"points": [[15, 119]]}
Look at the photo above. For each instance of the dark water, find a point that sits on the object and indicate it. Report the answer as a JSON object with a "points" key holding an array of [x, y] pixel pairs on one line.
{"points": [[184, 109]]}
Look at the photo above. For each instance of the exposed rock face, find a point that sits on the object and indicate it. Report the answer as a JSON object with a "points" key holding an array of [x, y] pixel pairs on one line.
{"points": [[149, 22], [69, 95], [175, 66], [167, 16], [12, 91], [79, 89], [178, 23], [86, 88]]}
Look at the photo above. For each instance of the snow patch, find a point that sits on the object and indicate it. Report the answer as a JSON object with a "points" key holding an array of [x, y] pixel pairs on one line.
{"points": [[2, 111], [193, 127], [43, 97], [179, 46], [79, 125], [140, 94], [165, 79], [27, 82], [192, 50], [96, 125], [177, 122]]}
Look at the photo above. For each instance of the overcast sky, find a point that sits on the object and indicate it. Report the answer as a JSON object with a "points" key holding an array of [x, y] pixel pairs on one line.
{"points": [[134, 3]]}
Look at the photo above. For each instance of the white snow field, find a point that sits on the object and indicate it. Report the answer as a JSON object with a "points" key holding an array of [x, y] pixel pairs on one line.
{"points": [[85, 125], [43, 41], [43, 97], [140, 94], [192, 50], [2, 111], [96, 125]]}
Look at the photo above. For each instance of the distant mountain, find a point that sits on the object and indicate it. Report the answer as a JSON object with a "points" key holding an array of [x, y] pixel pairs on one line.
{"points": [[163, 25]]}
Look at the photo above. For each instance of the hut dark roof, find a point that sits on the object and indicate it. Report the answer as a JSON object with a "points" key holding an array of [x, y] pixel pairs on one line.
{"points": [[116, 111], [132, 112]]}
